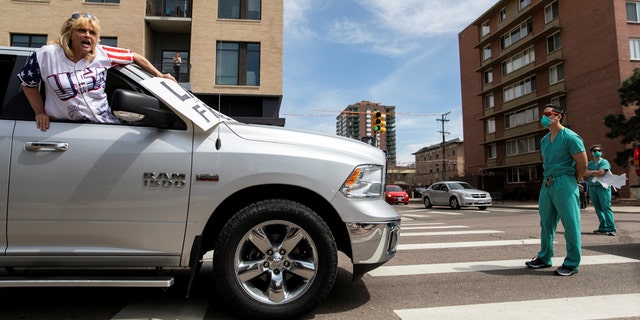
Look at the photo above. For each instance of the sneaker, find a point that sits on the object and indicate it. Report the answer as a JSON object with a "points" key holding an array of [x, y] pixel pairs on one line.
{"points": [[536, 263], [611, 233], [565, 271], [599, 232]]}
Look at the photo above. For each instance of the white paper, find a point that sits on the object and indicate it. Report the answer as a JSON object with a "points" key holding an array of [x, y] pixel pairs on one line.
{"points": [[610, 179]]}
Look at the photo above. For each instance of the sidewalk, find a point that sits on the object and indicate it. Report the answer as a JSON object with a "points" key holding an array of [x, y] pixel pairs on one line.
{"points": [[620, 205]]}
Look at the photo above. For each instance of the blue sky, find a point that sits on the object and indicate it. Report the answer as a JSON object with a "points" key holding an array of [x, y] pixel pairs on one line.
{"points": [[401, 53]]}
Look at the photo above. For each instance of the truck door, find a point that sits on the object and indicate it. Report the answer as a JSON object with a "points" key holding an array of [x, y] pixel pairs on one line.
{"points": [[98, 190], [6, 129]]}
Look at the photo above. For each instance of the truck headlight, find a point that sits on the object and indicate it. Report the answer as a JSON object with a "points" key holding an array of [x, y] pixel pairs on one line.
{"points": [[365, 181]]}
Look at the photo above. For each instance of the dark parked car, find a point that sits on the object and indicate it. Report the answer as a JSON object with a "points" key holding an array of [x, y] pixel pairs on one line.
{"points": [[395, 194], [455, 194], [418, 192]]}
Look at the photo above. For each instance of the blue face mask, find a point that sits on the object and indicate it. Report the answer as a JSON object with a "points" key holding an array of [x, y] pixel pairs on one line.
{"points": [[597, 154], [545, 121]]}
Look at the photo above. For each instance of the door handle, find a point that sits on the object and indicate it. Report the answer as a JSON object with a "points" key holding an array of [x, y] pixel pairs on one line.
{"points": [[47, 146]]}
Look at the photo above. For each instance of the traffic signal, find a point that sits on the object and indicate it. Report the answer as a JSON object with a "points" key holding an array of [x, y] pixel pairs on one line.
{"points": [[379, 124]]}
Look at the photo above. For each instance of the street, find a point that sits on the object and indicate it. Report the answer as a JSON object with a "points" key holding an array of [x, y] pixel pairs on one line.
{"points": [[451, 264]]}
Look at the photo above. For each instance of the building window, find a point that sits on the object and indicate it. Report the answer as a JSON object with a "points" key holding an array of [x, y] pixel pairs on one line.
{"points": [[551, 12], [238, 63], [633, 11], [502, 15], [518, 61], [488, 76], [492, 152], [522, 174], [179, 71], [486, 52], [103, 1], [109, 41], [556, 73], [485, 29], [560, 101], [28, 40], [491, 125], [524, 4], [240, 9], [553, 42], [522, 145], [521, 117], [520, 89], [488, 101], [516, 34], [634, 47]]}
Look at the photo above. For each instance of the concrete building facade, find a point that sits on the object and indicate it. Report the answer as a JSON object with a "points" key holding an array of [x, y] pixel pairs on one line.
{"points": [[231, 50], [523, 54], [356, 122]]}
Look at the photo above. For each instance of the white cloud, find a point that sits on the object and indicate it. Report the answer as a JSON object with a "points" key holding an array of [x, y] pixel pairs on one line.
{"points": [[295, 13]]}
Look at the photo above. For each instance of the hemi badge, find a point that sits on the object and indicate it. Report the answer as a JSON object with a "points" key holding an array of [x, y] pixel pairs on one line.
{"points": [[207, 177]]}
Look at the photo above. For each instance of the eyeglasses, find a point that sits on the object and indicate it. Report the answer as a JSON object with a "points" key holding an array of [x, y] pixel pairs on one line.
{"points": [[594, 150], [550, 113], [86, 15]]}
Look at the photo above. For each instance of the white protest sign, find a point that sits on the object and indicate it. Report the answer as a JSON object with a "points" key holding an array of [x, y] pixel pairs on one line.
{"points": [[184, 102]]}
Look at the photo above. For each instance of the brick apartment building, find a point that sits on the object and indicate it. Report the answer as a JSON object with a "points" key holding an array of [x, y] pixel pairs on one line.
{"points": [[433, 163], [231, 50], [522, 54], [355, 122]]}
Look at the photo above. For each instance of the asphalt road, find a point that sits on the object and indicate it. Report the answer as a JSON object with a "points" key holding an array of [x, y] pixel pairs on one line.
{"points": [[451, 264]]}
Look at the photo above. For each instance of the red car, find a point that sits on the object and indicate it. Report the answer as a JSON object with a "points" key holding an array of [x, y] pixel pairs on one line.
{"points": [[394, 194]]}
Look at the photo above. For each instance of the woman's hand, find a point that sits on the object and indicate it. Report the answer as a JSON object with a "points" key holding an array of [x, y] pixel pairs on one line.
{"points": [[42, 121]]}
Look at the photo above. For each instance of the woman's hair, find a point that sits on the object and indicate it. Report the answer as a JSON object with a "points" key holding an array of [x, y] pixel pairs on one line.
{"points": [[75, 22]]}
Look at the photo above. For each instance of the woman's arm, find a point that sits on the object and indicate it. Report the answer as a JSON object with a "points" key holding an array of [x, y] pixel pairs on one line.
{"points": [[37, 104], [146, 65]]}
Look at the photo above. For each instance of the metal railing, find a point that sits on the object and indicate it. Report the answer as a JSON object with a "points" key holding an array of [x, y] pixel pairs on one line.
{"points": [[169, 8]]}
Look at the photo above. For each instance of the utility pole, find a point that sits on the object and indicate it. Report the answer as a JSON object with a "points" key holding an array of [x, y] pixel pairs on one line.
{"points": [[443, 119]]}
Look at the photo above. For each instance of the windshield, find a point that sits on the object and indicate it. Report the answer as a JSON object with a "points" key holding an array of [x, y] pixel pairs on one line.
{"points": [[460, 186], [394, 189]]}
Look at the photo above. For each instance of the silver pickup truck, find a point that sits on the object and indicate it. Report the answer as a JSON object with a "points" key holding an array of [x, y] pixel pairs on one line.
{"points": [[176, 180]]}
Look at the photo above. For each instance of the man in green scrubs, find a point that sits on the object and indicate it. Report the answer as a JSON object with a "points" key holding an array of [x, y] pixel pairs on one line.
{"points": [[564, 164], [600, 196]]}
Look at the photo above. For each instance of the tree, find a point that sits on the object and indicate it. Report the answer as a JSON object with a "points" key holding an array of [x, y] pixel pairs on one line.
{"points": [[619, 126]]}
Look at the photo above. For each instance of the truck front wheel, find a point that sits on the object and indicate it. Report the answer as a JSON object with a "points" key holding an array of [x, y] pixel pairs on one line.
{"points": [[275, 258]]}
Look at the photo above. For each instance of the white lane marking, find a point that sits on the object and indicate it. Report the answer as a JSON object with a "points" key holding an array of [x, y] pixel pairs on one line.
{"points": [[424, 224], [416, 269], [468, 244], [447, 233], [450, 213], [432, 227], [414, 216], [593, 307]]}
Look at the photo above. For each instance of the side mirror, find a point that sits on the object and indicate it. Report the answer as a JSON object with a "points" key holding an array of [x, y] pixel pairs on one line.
{"points": [[131, 106]]}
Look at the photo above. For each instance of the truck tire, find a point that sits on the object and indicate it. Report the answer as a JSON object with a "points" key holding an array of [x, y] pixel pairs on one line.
{"points": [[275, 259]]}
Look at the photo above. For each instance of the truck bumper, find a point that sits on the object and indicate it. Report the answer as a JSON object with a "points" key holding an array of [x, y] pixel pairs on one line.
{"points": [[372, 244]]}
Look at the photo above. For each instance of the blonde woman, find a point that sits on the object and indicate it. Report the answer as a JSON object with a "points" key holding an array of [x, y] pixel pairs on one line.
{"points": [[73, 70]]}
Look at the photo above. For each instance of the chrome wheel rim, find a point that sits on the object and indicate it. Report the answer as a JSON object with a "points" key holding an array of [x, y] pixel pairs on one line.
{"points": [[276, 262]]}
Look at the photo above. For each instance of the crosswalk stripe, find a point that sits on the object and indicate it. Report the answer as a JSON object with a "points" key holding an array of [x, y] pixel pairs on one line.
{"points": [[447, 233], [423, 224], [433, 227], [593, 307], [404, 216], [417, 269], [468, 244]]}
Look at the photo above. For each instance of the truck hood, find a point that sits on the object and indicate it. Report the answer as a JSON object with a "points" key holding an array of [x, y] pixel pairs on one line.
{"points": [[316, 140]]}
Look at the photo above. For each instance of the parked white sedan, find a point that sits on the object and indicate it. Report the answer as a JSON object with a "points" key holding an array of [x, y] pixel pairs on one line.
{"points": [[455, 194]]}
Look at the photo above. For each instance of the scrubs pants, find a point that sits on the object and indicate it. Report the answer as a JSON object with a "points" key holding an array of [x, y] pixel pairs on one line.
{"points": [[601, 200], [560, 201]]}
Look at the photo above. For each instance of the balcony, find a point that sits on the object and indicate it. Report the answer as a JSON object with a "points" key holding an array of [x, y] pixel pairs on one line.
{"points": [[172, 16]]}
